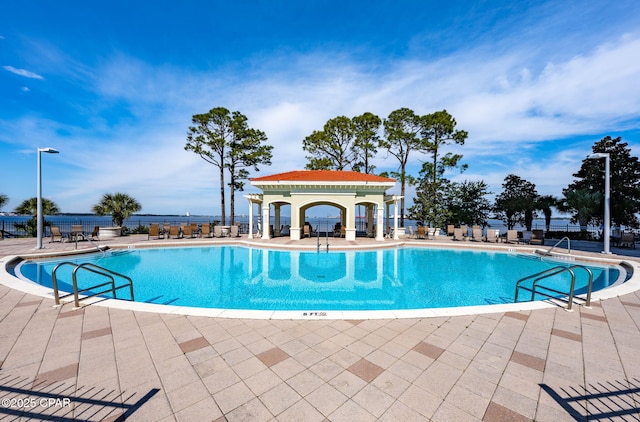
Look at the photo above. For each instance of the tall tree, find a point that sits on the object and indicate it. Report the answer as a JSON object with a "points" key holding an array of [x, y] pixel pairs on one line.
{"points": [[624, 181], [516, 203], [119, 205], [429, 203], [332, 147], [401, 130], [366, 128], [209, 137], [437, 130], [246, 150]]}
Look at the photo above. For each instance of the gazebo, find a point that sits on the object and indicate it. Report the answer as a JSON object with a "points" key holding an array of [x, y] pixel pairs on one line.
{"points": [[303, 189]]}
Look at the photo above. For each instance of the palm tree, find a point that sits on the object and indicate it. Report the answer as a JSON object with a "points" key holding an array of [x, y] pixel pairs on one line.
{"points": [[4, 200], [544, 204], [119, 205], [584, 204], [30, 207]]}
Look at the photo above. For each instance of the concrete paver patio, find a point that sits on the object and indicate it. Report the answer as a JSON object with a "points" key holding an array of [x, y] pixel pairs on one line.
{"points": [[100, 363]]}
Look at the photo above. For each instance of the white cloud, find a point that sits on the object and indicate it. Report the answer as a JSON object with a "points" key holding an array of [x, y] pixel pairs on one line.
{"points": [[22, 72], [509, 103]]}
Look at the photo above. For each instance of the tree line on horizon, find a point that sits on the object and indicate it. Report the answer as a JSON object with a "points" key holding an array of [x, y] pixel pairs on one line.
{"points": [[225, 140]]}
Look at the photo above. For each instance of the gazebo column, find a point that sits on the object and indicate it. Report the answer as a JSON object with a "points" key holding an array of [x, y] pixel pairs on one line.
{"points": [[380, 224], [265, 221], [250, 219], [370, 223], [350, 224], [295, 231], [276, 224], [395, 220]]}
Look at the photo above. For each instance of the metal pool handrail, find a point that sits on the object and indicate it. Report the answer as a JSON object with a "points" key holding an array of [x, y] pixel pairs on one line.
{"points": [[548, 252], [88, 266], [550, 273]]}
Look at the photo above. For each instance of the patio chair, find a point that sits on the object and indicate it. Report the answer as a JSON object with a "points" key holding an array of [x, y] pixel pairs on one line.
{"points": [[457, 234], [95, 234], [493, 235], [205, 230], [465, 230], [306, 231], [512, 236], [627, 240], [154, 230], [187, 231], [76, 232], [450, 229], [234, 230], [477, 234], [217, 231], [166, 227], [411, 234], [174, 232], [56, 234], [537, 238]]}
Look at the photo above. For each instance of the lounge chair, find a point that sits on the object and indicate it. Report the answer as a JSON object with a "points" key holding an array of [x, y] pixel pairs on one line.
{"points": [[166, 227], [537, 237], [174, 232], [512, 236], [477, 235], [154, 230], [205, 230], [56, 234], [421, 232], [95, 234], [431, 233], [76, 232], [450, 230], [234, 230], [493, 235], [457, 234], [306, 231], [465, 230], [411, 234], [217, 231], [628, 240], [187, 231]]}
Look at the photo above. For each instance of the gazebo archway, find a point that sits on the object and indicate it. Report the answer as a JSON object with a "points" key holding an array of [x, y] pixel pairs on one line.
{"points": [[305, 189]]}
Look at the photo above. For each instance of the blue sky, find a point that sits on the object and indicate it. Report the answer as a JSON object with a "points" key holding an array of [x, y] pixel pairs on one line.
{"points": [[113, 86]]}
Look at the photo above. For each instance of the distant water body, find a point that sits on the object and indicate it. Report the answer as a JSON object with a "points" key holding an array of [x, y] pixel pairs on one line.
{"points": [[322, 224]]}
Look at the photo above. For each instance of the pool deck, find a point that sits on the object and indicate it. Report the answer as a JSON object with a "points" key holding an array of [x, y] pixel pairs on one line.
{"points": [[101, 363]]}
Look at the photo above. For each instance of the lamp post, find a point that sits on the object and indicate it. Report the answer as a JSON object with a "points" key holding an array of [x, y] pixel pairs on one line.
{"points": [[39, 215], [607, 198]]}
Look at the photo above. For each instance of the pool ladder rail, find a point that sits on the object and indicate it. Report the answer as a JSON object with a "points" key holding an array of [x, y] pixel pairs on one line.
{"points": [[535, 287], [548, 251], [88, 266]]}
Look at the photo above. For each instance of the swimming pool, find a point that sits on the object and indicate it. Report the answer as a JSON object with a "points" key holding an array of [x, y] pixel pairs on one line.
{"points": [[239, 277]]}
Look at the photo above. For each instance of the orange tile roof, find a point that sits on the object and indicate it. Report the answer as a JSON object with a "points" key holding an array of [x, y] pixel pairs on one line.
{"points": [[322, 176]]}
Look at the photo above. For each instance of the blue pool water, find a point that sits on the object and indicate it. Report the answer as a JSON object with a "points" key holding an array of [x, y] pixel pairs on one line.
{"points": [[236, 277]]}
